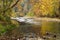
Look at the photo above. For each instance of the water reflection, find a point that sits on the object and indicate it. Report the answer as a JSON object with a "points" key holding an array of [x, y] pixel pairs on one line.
{"points": [[47, 30]]}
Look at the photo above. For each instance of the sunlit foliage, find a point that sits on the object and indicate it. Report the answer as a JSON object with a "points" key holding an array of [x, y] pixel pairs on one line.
{"points": [[46, 7]]}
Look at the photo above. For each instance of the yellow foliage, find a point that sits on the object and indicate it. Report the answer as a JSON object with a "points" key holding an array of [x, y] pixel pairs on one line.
{"points": [[45, 7], [13, 14]]}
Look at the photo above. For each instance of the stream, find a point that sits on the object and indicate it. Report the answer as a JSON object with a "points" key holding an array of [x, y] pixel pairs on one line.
{"points": [[34, 29], [46, 28]]}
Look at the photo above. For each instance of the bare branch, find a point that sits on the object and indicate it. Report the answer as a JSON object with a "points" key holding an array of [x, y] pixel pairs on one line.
{"points": [[12, 6]]}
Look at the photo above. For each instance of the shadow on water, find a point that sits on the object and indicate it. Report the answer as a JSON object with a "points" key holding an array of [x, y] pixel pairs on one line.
{"points": [[46, 30]]}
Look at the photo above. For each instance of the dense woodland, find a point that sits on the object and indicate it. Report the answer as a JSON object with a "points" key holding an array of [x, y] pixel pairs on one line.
{"points": [[18, 8]]}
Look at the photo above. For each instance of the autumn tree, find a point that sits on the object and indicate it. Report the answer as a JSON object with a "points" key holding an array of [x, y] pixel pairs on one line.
{"points": [[45, 8], [6, 8]]}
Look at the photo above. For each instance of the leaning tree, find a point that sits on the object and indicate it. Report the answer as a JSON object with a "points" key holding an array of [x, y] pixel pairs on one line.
{"points": [[6, 8]]}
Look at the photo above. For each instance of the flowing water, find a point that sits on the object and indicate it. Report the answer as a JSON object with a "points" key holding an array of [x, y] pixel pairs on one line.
{"points": [[45, 30]]}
